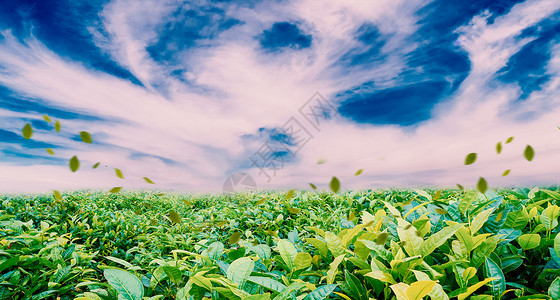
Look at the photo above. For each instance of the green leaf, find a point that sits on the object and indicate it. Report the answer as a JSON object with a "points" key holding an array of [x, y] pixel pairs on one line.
{"points": [[268, 283], [359, 172], [557, 244], [491, 269], [529, 241], [290, 194], [57, 195], [382, 276], [74, 164], [9, 263], [499, 147], [473, 288], [119, 173], [287, 293], [127, 285], [174, 217], [320, 245], [313, 186], [302, 261], [96, 165], [85, 136], [27, 131], [506, 172], [438, 239], [148, 180], [529, 153], [333, 268], [288, 253], [47, 118], [419, 289], [173, 273], [57, 126], [50, 151], [334, 243], [354, 286], [482, 185], [470, 159], [335, 185], [240, 269], [554, 289], [509, 140], [321, 293], [478, 221]]}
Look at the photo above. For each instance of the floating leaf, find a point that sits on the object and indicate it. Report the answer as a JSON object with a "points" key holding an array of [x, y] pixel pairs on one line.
{"points": [[119, 173], [85, 136], [74, 163], [321, 161], [27, 131], [174, 217], [115, 189], [470, 159], [234, 238], [57, 195], [96, 165], [47, 118], [460, 187], [359, 172], [482, 185], [506, 172], [335, 184], [499, 147], [509, 140], [290, 194], [313, 186], [57, 126], [50, 151], [529, 153], [148, 180]]}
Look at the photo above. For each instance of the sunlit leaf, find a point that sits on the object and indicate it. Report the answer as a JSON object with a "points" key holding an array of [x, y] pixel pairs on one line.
{"points": [[74, 163], [506, 172], [85, 136], [499, 216], [47, 118], [148, 180], [57, 195], [50, 151], [234, 238], [290, 194], [482, 185], [263, 200], [174, 217], [529, 153], [441, 211], [115, 189], [499, 147], [119, 173], [359, 172], [57, 126], [509, 140], [96, 165], [437, 195], [27, 131], [381, 238], [313, 186], [335, 184], [294, 210], [470, 159]]}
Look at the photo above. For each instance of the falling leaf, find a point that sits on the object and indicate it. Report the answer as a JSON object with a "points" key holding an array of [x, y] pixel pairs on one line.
{"points": [[529, 153], [27, 131], [359, 172], [460, 187], [159, 195], [335, 184], [381, 238], [321, 161], [57, 195], [470, 159], [115, 189], [290, 194], [50, 151], [148, 180], [509, 140], [499, 216], [499, 147], [96, 165], [506, 172], [57, 126], [294, 210], [74, 163], [174, 217], [482, 185], [119, 173], [234, 238], [85, 136], [47, 118], [441, 211], [313, 186], [437, 195]]}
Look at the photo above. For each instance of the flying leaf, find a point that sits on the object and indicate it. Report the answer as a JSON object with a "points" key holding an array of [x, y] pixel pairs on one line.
{"points": [[470, 159], [509, 140], [148, 180], [50, 151], [74, 163], [57, 126], [460, 187], [506, 172], [321, 161], [335, 184], [27, 131], [482, 185], [290, 194], [529, 153], [115, 189], [499, 147], [119, 173], [234, 238], [47, 118], [85, 136], [313, 186], [57, 195], [96, 165], [359, 172], [174, 217]]}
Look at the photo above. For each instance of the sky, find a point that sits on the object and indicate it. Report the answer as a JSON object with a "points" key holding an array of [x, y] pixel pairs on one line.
{"points": [[289, 93]]}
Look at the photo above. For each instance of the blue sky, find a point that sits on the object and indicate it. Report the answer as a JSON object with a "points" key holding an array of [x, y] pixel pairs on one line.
{"points": [[189, 92]]}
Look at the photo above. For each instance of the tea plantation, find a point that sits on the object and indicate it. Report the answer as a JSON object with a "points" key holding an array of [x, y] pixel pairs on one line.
{"points": [[381, 244]]}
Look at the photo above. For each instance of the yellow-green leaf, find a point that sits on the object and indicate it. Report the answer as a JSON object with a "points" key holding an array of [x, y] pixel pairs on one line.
{"points": [[420, 289], [381, 238], [74, 163], [234, 238], [529, 241], [313, 186], [509, 140], [302, 261], [290, 194], [27, 131], [381, 276], [499, 147], [57, 195], [96, 165], [482, 185], [460, 187], [359, 172], [174, 217], [529, 153], [119, 173], [473, 288], [47, 118], [50, 151], [85, 136], [57, 126], [470, 159], [506, 172], [148, 180], [335, 185], [115, 189]]}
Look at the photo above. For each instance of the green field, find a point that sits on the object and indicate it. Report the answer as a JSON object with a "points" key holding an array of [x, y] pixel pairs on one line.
{"points": [[381, 244]]}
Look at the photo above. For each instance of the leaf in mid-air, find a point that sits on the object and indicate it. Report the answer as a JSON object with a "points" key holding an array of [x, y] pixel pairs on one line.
{"points": [[47, 118], [96, 165], [148, 180], [290, 194], [359, 172], [482, 185], [509, 140], [50, 151], [27, 131], [74, 163], [313, 186], [115, 189], [174, 217], [335, 185], [499, 147], [470, 159], [119, 173], [506, 172], [57, 126], [85, 136], [529, 153], [57, 195], [460, 187]]}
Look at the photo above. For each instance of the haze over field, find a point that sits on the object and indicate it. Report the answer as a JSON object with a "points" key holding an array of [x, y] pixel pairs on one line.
{"points": [[189, 92]]}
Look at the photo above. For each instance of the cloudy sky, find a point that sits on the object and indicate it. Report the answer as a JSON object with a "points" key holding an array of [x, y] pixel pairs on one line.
{"points": [[189, 92]]}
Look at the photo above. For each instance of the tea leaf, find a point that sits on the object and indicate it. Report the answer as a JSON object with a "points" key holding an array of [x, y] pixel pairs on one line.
{"points": [[294, 210], [115, 189], [57, 126], [74, 164], [174, 217], [27, 131], [335, 185], [321, 161], [290, 194], [57, 195], [491, 269], [85, 136], [47, 118], [506, 172], [313, 186], [148, 180], [119, 173], [381, 238], [470, 159], [482, 185], [359, 172], [499, 147], [50, 151], [460, 187], [509, 140], [96, 165], [127, 285], [234, 238], [529, 153], [529, 241]]}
